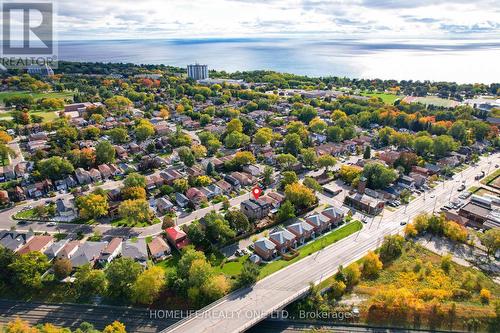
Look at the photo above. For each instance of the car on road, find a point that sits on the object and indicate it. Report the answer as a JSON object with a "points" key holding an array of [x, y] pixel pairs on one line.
{"points": [[51, 224], [402, 223], [461, 188]]}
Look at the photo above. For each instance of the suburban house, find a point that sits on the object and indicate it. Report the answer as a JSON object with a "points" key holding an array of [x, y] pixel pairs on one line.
{"points": [[37, 243], [177, 237], [364, 203], [111, 251], [319, 222], [283, 239], [65, 210], [336, 215], [53, 250], [163, 205], [158, 248], [181, 200], [224, 186], [87, 253], [68, 250], [83, 176], [195, 196], [302, 231], [13, 240], [136, 249], [265, 248], [255, 209]]}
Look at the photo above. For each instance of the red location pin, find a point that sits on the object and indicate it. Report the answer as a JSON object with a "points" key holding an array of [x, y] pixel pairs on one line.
{"points": [[256, 191]]}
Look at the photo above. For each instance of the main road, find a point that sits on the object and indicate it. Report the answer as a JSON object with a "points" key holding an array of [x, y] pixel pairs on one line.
{"points": [[243, 308]]}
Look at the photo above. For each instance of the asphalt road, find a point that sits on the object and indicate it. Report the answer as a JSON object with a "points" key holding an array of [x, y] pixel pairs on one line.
{"points": [[244, 308]]}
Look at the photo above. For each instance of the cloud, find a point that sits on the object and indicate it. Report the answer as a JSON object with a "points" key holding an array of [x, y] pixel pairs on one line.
{"points": [[260, 18]]}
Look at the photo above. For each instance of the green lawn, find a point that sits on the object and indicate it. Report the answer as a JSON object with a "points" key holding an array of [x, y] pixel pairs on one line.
{"points": [[312, 247], [386, 97], [64, 94], [491, 177], [26, 214], [232, 268], [123, 222]]}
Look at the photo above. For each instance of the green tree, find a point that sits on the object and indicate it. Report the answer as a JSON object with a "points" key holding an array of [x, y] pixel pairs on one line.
{"points": [[90, 282], [326, 161], [312, 184], [293, 143], [307, 113], [118, 135], [121, 274], [237, 220], [267, 175], [186, 156], [55, 168], [135, 179], [391, 248], [104, 153], [289, 177], [491, 240], [308, 156], [443, 145], [286, 161], [367, 154], [181, 185], [263, 136], [135, 211], [27, 270], [236, 140], [285, 212], [423, 145], [378, 176], [248, 275], [334, 134]]}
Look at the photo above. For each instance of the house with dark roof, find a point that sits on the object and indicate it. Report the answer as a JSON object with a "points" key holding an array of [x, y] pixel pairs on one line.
{"points": [[181, 200], [302, 231], [136, 249], [14, 240], [87, 253], [163, 205], [283, 239], [255, 209], [319, 222], [336, 215], [53, 250]]}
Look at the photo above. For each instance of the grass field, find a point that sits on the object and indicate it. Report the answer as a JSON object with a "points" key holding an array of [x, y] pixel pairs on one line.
{"points": [[312, 247], [491, 177], [386, 97], [437, 101], [64, 94]]}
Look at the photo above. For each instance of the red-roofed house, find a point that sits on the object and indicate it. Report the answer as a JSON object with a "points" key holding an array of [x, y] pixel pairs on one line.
{"points": [[177, 237]]}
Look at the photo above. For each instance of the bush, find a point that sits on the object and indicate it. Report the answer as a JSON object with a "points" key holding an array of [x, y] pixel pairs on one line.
{"points": [[485, 296]]}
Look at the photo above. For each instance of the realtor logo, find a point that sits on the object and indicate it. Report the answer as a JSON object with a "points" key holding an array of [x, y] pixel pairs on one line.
{"points": [[27, 35], [27, 29]]}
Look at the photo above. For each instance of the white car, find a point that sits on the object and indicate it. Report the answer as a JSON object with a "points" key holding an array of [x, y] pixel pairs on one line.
{"points": [[51, 224]]}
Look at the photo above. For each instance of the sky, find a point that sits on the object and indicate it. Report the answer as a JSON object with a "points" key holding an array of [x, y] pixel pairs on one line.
{"points": [[169, 19]]}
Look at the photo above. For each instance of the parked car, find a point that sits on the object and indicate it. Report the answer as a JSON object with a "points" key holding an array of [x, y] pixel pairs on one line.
{"points": [[461, 188], [51, 224]]}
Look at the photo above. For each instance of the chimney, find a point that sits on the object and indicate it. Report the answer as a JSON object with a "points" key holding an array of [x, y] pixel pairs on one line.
{"points": [[362, 185]]}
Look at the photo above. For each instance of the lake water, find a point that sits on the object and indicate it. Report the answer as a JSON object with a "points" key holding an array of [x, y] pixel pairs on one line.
{"points": [[464, 61]]}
